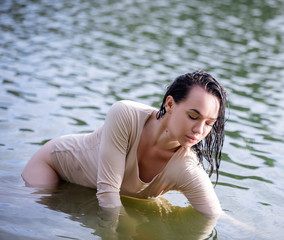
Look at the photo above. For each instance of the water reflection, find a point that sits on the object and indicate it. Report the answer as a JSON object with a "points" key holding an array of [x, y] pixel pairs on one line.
{"points": [[141, 219]]}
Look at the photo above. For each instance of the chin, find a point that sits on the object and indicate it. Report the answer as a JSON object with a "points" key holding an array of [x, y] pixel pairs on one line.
{"points": [[186, 144]]}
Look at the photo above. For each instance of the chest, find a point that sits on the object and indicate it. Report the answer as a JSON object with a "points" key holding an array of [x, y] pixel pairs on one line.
{"points": [[151, 161]]}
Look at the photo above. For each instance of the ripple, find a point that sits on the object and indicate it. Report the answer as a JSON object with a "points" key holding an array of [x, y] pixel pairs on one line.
{"points": [[26, 130], [232, 185], [238, 177], [225, 157], [267, 160]]}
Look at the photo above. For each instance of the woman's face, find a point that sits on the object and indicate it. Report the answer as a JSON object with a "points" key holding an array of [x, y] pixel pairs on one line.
{"points": [[192, 119]]}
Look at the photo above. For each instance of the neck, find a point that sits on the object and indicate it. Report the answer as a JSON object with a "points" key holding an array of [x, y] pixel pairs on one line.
{"points": [[159, 136]]}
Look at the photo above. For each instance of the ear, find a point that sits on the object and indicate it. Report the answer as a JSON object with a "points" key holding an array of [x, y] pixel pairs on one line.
{"points": [[169, 104]]}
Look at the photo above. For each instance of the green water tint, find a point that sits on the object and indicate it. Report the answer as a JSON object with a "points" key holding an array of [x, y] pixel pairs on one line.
{"points": [[140, 219], [63, 63]]}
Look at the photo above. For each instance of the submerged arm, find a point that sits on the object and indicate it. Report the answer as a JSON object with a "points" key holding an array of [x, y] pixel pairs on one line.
{"points": [[113, 150]]}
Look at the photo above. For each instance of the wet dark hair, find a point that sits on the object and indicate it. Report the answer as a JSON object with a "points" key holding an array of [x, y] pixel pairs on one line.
{"points": [[211, 146]]}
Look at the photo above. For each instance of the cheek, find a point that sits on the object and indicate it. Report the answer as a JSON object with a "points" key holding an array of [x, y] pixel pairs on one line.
{"points": [[206, 131]]}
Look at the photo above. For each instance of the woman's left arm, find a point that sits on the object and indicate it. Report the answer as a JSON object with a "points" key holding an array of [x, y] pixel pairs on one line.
{"points": [[197, 187]]}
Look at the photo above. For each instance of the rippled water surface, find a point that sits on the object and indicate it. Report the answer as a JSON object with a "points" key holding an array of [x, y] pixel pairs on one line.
{"points": [[63, 63]]}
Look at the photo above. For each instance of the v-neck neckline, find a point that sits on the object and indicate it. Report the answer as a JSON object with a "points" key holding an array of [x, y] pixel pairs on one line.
{"points": [[136, 153]]}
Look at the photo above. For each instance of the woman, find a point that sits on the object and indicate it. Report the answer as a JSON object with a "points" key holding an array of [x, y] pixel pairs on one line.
{"points": [[142, 152]]}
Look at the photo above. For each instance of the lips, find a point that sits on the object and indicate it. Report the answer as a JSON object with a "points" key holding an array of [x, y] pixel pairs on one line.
{"points": [[192, 139]]}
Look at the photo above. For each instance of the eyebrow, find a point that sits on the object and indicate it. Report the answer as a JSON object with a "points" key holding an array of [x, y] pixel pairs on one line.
{"points": [[199, 113]]}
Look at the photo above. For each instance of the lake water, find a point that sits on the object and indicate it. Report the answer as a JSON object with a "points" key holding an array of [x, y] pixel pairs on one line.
{"points": [[63, 63]]}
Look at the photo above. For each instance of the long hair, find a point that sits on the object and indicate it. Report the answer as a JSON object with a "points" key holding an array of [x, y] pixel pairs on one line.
{"points": [[210, 148]]}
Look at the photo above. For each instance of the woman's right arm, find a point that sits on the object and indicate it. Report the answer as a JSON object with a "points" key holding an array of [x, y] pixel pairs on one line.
{"points": [[113, 150]]}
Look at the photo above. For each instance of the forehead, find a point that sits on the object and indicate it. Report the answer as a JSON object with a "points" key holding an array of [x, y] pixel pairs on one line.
{"points": [[202, 101]]}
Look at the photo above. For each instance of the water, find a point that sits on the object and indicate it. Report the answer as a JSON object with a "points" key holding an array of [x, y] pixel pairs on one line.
{"points": [[63, 63]]}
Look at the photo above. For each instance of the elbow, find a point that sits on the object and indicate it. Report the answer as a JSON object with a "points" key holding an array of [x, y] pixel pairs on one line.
{"points": [[211, 211], [214, 213]]}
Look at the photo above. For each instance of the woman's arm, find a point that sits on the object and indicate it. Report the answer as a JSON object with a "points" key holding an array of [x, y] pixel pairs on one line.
{"points": [[113, 150], [197, 187]]}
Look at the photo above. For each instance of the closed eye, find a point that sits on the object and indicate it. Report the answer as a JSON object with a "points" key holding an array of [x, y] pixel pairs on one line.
{"points": [[210, 124], [192, 117]]}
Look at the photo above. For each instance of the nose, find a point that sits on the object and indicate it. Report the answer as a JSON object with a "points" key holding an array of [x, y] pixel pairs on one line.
{"points": [[198, 128]]}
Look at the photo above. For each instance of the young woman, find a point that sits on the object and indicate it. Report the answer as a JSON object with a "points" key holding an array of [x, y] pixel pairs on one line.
{"points": [[144, 152]]}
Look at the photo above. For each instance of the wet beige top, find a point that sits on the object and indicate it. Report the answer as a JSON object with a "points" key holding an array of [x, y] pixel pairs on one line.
{"points": [[107, 160]]}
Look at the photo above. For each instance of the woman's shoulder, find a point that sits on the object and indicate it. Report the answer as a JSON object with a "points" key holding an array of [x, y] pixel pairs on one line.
{"points": [[188, 164], [189, 158], [185, 163], [131, 106]]}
